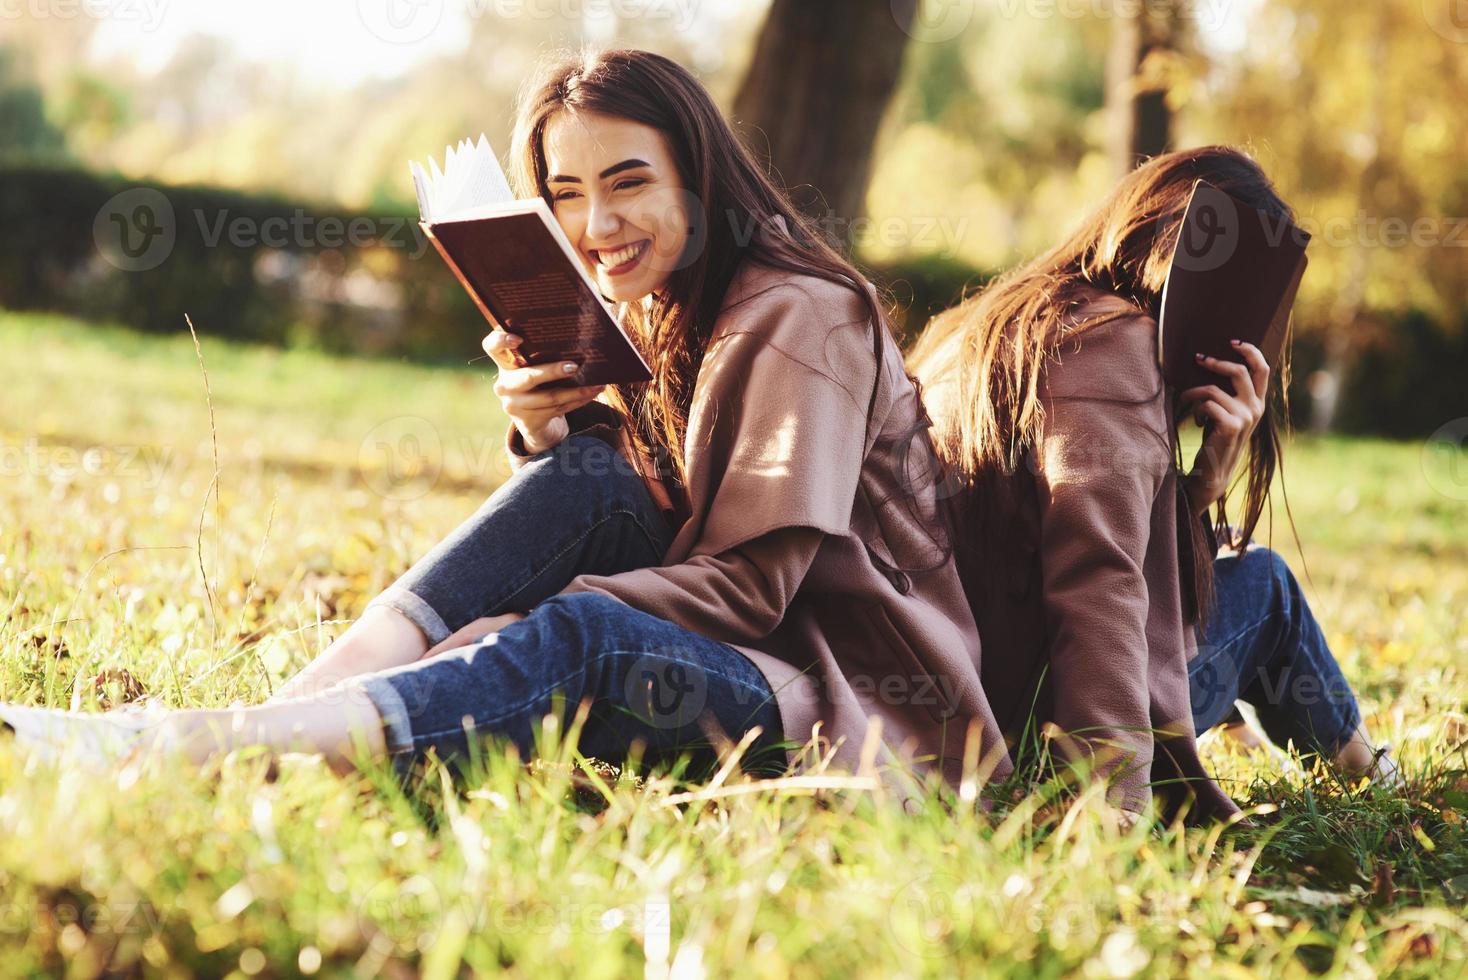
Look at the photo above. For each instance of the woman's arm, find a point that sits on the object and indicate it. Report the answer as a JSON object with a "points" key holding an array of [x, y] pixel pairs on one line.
{"points": [[1102, 462], [736, 596]]}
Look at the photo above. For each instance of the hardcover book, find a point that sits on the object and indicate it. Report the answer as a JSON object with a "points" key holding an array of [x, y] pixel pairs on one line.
{"points": [[1235, 271]]}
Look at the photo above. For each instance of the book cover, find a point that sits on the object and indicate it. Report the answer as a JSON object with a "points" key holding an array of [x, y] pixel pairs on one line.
{"points": [[1234, 274], [523, 274]]}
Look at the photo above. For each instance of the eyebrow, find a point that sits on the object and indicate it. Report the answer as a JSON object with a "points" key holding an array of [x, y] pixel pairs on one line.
{"points": [[611, 171]]}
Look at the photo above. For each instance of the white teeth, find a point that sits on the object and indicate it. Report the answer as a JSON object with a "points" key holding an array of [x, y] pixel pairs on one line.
{"points": [[613, 259]]}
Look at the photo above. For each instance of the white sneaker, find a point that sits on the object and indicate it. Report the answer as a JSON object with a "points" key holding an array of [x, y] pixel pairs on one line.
{"points": [[101, 741]]}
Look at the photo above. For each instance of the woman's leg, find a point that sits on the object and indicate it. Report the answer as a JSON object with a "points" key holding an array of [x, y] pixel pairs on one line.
{"points": [[579, 507], [1262, 645], [647, 681]]}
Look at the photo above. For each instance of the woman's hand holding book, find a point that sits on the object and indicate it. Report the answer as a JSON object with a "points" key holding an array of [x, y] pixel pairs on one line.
{"points": [[539, 413], [1228, 420]]}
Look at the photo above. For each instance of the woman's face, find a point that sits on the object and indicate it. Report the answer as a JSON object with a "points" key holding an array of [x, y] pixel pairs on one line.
{"points": [[616, 191]]}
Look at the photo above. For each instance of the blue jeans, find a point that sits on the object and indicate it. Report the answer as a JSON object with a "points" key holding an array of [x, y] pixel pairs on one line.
{"points": [[577, 508], [1262, 645]]}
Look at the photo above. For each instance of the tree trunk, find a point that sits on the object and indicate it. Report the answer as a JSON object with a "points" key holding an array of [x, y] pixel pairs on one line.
{"points": [[1144, 47], [814, 95]]}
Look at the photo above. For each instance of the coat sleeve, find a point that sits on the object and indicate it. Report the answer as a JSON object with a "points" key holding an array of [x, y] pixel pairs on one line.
{"points": [[1102, 461], [777, 439]]}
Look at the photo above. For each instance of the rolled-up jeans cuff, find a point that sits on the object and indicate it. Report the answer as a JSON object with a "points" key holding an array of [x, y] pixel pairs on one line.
{"points": [[397, 723], [421, 613]]}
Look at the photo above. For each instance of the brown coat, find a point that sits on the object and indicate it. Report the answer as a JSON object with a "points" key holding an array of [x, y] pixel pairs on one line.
{"points": [[801, 523], [1073, 568]]}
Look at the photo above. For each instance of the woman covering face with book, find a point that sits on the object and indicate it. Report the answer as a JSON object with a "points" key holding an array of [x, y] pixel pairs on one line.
{"points": [[747, 547], [1090, 558]]}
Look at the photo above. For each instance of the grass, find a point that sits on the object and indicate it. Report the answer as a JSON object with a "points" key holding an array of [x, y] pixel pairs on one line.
{"points": [[333, 474]]}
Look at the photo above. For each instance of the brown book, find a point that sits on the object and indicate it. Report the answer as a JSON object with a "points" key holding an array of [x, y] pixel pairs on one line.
{"points": [[1234, 274], [516, 263]]}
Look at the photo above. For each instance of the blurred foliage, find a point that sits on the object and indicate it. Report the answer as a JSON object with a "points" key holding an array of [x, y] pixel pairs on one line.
{"points": [[994, 145], [1356, 111], [242, 265]]}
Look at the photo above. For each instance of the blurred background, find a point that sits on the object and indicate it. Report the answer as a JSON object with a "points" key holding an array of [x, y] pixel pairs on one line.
{"points": [[246, 164]]}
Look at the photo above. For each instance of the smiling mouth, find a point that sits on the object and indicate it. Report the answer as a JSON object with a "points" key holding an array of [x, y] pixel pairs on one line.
{"points": [[623, 259]]}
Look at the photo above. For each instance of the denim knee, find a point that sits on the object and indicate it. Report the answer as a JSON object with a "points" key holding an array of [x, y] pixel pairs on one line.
{"points": [[1267, 565], [575, 458]]}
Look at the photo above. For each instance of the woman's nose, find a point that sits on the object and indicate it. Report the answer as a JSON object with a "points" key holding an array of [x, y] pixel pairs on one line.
{"points": [[603, 222]]}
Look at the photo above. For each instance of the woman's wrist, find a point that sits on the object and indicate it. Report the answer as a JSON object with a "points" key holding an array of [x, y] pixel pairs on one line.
{"points": [[1200, 495]]}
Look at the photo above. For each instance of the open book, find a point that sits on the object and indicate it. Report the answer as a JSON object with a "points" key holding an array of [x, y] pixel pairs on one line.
{"points": [[520, 269], [1234, 274]]}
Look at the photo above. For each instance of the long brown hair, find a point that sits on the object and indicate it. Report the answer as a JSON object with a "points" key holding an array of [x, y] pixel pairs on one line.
{"points": [[993, 346], [741, 210]]}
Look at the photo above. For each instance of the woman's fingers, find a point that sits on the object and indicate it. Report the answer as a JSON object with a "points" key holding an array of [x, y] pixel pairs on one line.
{"points": [[1227, 413], [1258, 367], [556, 400], [500, 345], [1225, 422], [522, 379], [1213, 393], [1238, 374]]}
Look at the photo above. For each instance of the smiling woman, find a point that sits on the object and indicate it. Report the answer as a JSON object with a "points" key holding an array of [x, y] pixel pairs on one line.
{"points": [[623, 218], [748, 547]]}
